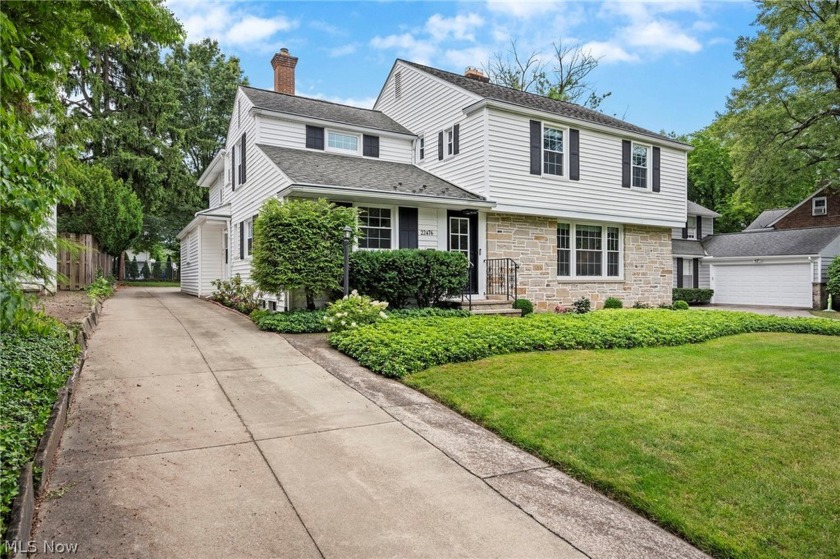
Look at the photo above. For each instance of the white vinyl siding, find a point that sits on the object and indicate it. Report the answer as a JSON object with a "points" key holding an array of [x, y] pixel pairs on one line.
{"points": [[597, 195], [427, 225], [292, 134], [430, 106], [190, 263], [212, 257]]}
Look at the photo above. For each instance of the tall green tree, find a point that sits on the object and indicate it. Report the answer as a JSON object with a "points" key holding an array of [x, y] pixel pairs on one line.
{"points": [[785, 119], [299, 244]]}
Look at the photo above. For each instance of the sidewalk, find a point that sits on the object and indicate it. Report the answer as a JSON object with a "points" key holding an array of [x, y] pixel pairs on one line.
{"points": [[193, 434]]}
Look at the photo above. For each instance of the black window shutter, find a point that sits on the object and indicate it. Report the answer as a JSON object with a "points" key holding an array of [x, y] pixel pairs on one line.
{"points": [[244, 171], [314, 137], [233, 169], [536, 147], [625, 163], [241, 240], [699, 227], [656, 169], [440, 146], [679, 272], [408, 227], [456, 132], [685, 231], [696, 273], [574, 154], [370, 146]]}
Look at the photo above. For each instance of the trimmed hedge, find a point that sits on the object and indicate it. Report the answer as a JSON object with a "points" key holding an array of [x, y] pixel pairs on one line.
{"points": [[309, 322], [399, 347], [33, 368], [400, 276], [524, 305], [692, 296]]}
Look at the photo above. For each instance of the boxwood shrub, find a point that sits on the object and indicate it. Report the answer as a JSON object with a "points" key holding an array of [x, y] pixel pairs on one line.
{"points": [[402, 276], [692, 296], [34, 366], [396, 348]]}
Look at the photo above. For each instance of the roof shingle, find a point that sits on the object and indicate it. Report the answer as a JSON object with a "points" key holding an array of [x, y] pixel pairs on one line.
{"points": [[784, 242], [765, 218], [537, 102], [328, 169], [322, 110]]}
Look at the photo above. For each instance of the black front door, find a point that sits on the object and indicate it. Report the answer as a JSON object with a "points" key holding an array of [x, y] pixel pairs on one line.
{"points": [[462, 231]]}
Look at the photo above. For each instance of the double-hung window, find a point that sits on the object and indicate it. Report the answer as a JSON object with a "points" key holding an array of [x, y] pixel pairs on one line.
{"points": [[819, 206], [249, 236], [589, 251], [450, 142], [691, 227], [376, 228], [337, 141], [552, 151], [640, 165], [422, 147]]}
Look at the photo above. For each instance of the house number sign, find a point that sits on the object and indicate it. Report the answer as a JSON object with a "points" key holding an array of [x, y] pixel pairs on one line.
{"points": [[427, 233]]}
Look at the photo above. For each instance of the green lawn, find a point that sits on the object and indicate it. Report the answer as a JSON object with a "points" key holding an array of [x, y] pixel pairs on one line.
{"points": [[151, 283], [732, 443]]}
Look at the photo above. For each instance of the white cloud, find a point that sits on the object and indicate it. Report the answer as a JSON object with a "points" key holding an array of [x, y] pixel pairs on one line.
{"points": [[361, 102], [523, 10], [473, 56], [416, 50], [228, 24], [660, 36], [608, 52], [461, 27], [343, 50]]}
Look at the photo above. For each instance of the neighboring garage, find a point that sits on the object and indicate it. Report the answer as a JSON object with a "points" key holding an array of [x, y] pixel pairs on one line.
{"points": [[780, 268]]}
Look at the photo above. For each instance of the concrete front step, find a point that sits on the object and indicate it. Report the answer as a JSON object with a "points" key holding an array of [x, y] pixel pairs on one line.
{"points": [[488, 304], [502, 312]]}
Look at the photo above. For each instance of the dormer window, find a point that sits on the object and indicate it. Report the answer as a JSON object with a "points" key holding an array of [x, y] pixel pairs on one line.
{"points": [[819, 206], [337, 141], [691, 227]]}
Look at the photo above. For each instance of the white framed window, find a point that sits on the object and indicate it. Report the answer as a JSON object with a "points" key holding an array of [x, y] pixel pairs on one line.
{"points": [[553, 151], [449, 138], [688, 272], [377, 228], [819, 206], [588, 251], [421, 147], [691, 227], [249, 236], [640, 165], [342, 142]]}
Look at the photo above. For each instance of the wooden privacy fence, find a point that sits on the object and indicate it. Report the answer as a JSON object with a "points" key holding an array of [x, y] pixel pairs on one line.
{"points": [[77, 268]]}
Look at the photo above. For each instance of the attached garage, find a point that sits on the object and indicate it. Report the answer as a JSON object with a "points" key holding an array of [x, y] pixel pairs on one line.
{"points": [[760, 283]]}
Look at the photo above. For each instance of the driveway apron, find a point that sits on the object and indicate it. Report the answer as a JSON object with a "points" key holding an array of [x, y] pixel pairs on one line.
{"points": [[193, 434]]}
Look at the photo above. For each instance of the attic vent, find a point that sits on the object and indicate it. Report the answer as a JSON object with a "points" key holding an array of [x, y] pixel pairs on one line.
{"points": [[398, 85]]}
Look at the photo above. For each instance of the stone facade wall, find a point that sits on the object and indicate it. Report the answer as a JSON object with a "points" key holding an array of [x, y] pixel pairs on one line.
{"points": [[532, 242]]}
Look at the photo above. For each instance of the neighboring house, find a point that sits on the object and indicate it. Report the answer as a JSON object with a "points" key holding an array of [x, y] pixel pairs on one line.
{"points": [[584, 204], [781, 258], [689, 269]]}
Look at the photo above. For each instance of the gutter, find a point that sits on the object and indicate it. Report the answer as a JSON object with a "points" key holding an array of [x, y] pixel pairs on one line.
{"points": [[327, 190]]}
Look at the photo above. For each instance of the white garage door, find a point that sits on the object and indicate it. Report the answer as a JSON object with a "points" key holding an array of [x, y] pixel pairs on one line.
{"points": [[778, 285]]}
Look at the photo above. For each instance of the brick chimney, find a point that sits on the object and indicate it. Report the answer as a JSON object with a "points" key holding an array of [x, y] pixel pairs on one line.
{"points": [[284, 72], [475, 74]]}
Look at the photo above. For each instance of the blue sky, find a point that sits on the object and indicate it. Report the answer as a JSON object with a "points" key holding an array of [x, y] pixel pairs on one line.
{"points": [[669, 65]]}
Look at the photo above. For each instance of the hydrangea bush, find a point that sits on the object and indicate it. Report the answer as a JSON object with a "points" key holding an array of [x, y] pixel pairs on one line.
{"points": [[352, 311]]}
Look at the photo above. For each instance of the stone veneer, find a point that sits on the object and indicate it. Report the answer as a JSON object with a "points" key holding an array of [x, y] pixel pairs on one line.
{"points": [[532, 242]]}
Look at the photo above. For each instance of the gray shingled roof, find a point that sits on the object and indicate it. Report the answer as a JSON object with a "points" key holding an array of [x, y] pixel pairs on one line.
{"points": [[536, 102], [322, 110], [328, 169], [681, 247], [765, 218], [697, 209], [771, 242]]}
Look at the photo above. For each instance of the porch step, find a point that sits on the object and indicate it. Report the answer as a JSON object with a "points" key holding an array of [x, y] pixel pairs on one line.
{"points": [[500, 312]]}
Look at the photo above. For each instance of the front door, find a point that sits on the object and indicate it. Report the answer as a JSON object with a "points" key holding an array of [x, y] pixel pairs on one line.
{"points": [[463, 238]]}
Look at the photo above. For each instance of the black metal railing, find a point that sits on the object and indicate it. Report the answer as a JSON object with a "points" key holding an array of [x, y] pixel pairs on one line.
{"points": [[468, 288], [502, 277]]}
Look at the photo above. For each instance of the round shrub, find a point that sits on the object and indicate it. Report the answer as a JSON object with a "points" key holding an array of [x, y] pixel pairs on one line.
{"points": [[524, 305], [613, 303], [352, 311], [582, 305], [680, 306]]}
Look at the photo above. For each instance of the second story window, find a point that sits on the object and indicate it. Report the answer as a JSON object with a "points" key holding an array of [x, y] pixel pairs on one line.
{"points": [[819, 206], [450, 142], [552, 151], [342, 142], [691, 227], [640, 165]]}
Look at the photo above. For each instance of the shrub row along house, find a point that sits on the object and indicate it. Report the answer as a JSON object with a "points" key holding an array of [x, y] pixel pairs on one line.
{"points": [[579, 204]]}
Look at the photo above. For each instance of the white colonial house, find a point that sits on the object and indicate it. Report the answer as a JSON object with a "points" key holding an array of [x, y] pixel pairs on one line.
{"points": [[578, 203]]}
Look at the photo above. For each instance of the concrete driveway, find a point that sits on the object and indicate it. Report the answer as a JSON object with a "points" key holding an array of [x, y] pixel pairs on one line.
{"points": [[193, 434]]}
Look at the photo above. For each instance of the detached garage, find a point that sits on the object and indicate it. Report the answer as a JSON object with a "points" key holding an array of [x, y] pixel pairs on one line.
{"points": [[780, 268]]}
